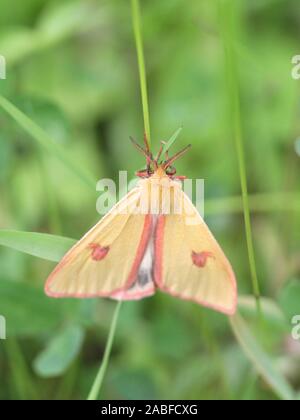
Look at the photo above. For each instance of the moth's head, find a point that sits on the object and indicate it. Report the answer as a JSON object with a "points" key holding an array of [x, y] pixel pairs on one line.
{"points": [[158, 165]]}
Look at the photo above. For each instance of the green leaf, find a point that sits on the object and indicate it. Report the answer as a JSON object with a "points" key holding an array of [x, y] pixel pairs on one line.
{"points": [[270, 309], [28, 311], [289, 298], [42, 245], [42, 138], [19, 371], [60, 352], [171, 141], [57, 23], [263, 364]]}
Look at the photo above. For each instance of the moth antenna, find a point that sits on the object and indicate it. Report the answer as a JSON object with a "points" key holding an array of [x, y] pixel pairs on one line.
{"points": [[147, 154], [160, 151], [140, 149], [171, 160]]}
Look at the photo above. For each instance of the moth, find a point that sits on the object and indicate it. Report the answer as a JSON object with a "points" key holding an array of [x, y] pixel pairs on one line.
{"points": [[154, 238]]}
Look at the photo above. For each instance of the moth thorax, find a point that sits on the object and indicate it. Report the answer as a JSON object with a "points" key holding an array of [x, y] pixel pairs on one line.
{"points": [[161, 196]]}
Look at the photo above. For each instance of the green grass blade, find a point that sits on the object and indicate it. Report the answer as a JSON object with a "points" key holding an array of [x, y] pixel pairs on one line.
{"points": [[54, 222], [96, 387], [20, 373], [136, 22], [42, 245], [273, 314], [260, 360], [171, 141], [228, 26], [42, 138]]}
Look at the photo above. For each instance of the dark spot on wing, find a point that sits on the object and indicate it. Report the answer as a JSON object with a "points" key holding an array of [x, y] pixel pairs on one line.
{"points": [[200, 258], [98, 252]]}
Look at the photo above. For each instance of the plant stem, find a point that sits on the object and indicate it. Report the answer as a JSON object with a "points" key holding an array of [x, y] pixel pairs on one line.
{"points": [[228, 24], [96, 387], [136, 22]]}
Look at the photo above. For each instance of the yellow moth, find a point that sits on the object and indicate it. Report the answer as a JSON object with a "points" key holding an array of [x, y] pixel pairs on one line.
{"points": [[154, 238]]}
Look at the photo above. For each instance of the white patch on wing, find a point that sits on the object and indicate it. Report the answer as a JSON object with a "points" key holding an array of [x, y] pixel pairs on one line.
{"points": [[143, 285], [145, 271]]}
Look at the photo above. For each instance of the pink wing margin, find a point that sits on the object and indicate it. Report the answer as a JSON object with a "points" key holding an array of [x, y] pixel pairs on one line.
{"points": [[158, 270], [122, 293]]}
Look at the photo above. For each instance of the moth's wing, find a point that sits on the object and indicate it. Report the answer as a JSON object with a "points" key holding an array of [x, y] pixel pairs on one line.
{"points": [[124, 234], [212, 282]]}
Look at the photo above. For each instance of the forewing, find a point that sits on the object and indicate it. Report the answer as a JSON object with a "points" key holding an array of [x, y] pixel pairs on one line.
{"points": [[106, 260], [190, 264]]}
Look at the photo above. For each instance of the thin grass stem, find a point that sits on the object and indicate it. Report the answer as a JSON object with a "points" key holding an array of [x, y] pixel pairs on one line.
{"points": [[136, 22], [96, 387], [228, 23]]}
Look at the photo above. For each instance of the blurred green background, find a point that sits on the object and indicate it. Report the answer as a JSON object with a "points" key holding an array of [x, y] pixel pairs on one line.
{"points": [[72, 68]]}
